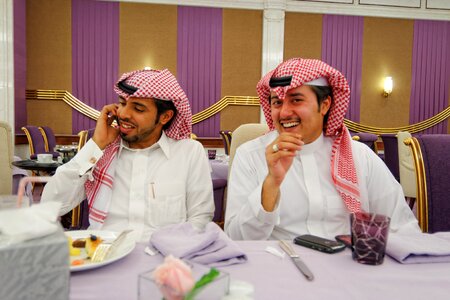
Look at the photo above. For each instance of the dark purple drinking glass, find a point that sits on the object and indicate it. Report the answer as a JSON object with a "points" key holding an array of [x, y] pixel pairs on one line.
{"points": [[369, 237]]}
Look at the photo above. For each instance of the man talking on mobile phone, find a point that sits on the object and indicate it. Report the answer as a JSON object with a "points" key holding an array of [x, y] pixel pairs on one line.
{"points": [[307, 175], [144, 173]]}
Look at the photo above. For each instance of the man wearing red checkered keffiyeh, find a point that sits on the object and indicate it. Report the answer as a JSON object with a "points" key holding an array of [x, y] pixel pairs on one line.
{"points": [[306, 175], [142, 172]]}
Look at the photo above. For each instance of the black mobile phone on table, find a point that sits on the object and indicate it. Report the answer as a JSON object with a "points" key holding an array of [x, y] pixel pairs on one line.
{"points": [[345, 239], [319, 243]]}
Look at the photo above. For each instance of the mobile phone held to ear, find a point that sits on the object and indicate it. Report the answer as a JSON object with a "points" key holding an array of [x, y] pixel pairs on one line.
{"points": [[319, 243]]}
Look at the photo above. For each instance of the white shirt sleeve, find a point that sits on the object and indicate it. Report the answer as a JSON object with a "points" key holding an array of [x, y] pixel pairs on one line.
{"points": [[385, 194], [245, 218], [199, 194], [67, 185]]}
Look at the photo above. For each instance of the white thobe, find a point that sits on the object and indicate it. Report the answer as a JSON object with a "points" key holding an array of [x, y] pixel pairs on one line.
{"points": [[309, 202], [166, 183]]}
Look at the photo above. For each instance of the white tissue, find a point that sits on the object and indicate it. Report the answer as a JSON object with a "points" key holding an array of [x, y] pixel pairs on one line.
{"points": [[275, 252], [23, 224], [240, 290]]}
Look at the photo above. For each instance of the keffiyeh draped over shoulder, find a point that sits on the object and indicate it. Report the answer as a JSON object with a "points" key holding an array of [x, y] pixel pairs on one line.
{"points": [[155, 84], [303, 71]]}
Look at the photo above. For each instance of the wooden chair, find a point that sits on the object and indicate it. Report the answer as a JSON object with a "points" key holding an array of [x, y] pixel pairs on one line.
{"points": [[369, 139], [80, 214], [391, 154], [6, 157], [35, 139], [49, 140], [407, 171], [244, 133], [431, 155], [226, 137]]}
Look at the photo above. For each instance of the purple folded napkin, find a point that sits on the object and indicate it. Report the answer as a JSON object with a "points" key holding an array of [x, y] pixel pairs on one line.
{"points": [[415, 248], [210, 247]]}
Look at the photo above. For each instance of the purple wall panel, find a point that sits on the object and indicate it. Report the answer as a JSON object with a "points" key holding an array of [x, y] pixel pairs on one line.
{"points": [[95, 56], [199, 61], [342, 40], [430, 72], [20, 64]]}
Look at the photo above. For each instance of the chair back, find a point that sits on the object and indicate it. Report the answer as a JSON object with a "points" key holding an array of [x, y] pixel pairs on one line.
{"points": [[82, 138], [369, 139], [6, 157], [244, 133], [219, 186], [49, 140], [391, 154], [35, 140], [80, 214], [432, 162], [407, 171], [226, 137]]}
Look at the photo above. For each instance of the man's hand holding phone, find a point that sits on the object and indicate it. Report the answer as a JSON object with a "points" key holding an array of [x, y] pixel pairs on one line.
{"points": [[104, 133]]}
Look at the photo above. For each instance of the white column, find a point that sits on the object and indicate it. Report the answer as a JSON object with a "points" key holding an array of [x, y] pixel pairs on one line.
{"points": [[273, 37], [6, 63]]}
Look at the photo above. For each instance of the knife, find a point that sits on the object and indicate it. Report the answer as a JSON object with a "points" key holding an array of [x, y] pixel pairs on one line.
{"points": [[296, 259]]}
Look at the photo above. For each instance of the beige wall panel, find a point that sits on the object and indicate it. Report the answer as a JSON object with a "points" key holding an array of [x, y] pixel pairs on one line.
{"points": [[303, 36], [55, 114], [387, 51], [148, 37], [49, 44], [234, 115], [241, 52]]}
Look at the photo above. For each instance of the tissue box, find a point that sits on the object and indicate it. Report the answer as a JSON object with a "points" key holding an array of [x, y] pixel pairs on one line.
{"points": [[36, 269]]}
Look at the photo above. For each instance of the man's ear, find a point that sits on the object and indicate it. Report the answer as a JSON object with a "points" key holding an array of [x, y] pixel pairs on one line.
{"points": [[325, 106], [166, 116]]}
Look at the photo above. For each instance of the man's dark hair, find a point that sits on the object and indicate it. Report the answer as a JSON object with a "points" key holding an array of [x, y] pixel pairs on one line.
{"points": [[161, 107], [322, 92]]}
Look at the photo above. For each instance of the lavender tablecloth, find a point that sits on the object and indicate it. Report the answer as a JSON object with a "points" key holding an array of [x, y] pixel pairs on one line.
{"points": [[219, 169], [337, 276]]}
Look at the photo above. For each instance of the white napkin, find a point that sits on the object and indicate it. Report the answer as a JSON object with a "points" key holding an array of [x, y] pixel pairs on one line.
{"points": [[414, 248], [23, 224]]}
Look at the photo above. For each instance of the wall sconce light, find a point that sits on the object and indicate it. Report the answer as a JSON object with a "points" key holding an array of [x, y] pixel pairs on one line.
{"points": [[387, 87], [147, 68]]}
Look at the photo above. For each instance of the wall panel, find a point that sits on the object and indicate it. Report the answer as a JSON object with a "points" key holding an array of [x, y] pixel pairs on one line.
{"points": [[302, 35], [148, 37], [387, 51], [241, 51], [49, 55]]}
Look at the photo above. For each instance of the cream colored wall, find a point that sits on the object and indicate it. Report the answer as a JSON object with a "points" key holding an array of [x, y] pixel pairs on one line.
{"points": [[241, 51], [303, 35], [49, 61], [387, 50], [148, 37]]}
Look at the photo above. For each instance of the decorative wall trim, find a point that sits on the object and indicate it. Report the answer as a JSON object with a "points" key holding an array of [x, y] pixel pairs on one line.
{"points": [[328, 7], [234, 100]]}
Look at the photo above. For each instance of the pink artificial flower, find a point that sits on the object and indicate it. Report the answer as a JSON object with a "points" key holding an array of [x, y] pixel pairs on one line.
{"points": [[174, 278]]}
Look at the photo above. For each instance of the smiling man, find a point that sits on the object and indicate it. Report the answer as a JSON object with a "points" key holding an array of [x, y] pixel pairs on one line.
{"points": [[144, 172], [307, 175]]}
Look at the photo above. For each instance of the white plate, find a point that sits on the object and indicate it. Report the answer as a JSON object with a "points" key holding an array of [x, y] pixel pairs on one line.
{"points": [[123, 250]]}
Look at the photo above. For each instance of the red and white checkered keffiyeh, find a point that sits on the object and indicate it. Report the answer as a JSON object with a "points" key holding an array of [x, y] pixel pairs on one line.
{"points": [[159, 84], [343, 169]]}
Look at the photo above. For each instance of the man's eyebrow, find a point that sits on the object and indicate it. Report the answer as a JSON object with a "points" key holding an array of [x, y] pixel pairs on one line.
{"points": [[295, 94]]}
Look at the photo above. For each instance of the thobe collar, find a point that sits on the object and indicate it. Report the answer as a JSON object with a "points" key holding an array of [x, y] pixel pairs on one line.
{"points": [[162, 143], [314, 146]]}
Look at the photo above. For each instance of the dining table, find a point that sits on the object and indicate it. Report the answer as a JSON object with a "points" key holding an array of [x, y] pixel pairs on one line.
{"points": [[336, 276], [36, 166]]}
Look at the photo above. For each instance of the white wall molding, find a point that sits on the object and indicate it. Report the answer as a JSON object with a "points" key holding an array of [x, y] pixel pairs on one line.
{"points": [[431, 10], [6, 63], [273, 36]]}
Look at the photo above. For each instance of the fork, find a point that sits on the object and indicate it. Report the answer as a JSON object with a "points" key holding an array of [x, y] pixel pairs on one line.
{"points": [[105, 249]]}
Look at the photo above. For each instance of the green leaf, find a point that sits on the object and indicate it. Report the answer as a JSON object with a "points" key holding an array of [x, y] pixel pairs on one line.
{"points": [[201, 283]]}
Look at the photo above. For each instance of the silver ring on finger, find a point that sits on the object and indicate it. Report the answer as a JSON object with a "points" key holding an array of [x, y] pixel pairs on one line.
{"points": [[275, 148]]}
